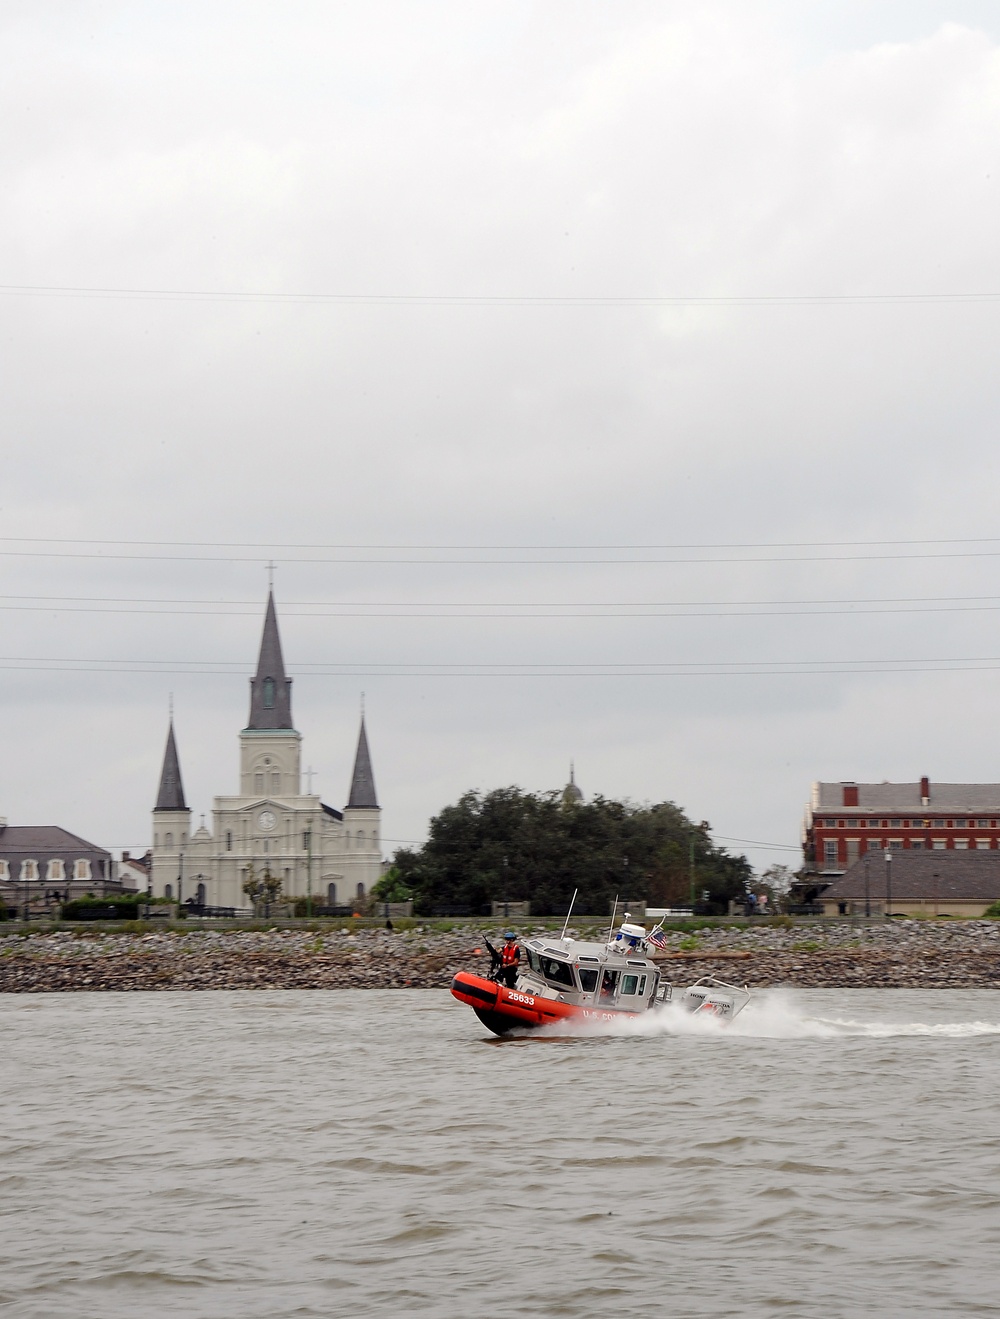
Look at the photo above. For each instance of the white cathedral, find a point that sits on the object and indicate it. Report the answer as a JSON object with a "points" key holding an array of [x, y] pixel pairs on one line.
{"points": [[271, 824]]}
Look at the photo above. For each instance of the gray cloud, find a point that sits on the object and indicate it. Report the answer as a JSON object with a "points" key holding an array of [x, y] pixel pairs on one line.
{"points": [[524, 151]]}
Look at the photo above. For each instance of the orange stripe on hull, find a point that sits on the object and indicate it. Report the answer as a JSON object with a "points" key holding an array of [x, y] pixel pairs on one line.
{"points": [[503, 1009]]}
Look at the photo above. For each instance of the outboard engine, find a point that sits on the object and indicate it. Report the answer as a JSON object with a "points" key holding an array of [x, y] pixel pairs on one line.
{"points": [[716, 997]]}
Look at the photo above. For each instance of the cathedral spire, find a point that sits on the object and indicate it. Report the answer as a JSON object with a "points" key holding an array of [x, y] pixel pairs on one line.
{"points": [[171, 794], [270, 690], [363, 780]]}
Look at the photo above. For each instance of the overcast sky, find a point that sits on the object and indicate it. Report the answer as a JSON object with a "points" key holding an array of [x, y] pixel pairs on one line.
{"points": [[606, 380]]}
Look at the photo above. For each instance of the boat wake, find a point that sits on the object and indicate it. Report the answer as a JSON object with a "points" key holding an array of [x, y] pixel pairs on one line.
{"points": [[771, 1015]]}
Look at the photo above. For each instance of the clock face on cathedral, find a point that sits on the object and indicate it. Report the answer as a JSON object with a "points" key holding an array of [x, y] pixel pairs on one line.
{"points": [[266, 820]]}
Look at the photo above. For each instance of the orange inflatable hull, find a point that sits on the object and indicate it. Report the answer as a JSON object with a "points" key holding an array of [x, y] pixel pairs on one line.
{"points": [[502, 1009]]}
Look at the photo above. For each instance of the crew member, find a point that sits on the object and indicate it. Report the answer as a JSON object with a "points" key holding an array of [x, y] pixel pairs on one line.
{"points": [[510, 959]]}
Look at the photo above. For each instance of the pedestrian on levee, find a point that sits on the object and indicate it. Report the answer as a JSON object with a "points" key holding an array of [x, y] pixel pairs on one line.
{"points": [[510, 959]]}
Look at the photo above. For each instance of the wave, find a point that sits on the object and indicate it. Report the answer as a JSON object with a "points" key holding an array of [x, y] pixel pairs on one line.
{"points": [[772, 1015]]}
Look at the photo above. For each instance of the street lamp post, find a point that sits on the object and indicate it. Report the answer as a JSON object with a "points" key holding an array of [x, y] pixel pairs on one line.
{"points": [[309, 870], [180, 882], [888, 883]]}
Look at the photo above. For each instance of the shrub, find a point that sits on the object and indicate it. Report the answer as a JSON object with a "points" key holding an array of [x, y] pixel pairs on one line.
{"points": [[118, 907], [992, 912]]}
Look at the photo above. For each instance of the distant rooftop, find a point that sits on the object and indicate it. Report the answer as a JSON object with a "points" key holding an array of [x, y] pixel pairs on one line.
{"points": [[907, 798]]}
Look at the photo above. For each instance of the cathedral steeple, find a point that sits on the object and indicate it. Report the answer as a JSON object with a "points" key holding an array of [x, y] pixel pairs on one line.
{"points": [[171, 794], [270, 690], [362, 780]]}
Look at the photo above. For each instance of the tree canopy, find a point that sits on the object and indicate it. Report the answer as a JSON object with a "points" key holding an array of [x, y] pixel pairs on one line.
{"points": [[514, 846]]}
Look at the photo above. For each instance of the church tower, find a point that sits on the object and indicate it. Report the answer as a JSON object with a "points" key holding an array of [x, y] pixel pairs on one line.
{"points": [[171, 820], [270, 748], [362, 817]]}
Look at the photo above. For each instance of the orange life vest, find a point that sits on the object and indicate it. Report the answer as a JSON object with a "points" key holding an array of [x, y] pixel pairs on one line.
{"points": [[510, 954]]}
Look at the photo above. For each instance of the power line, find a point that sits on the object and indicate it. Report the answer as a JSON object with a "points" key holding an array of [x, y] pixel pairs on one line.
{"points": [[216, 603], [693, 669], [496, 300], [496, 562], [319, 545]]}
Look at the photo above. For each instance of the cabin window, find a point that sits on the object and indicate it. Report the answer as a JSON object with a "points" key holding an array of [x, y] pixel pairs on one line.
{"points": [[588, 979], [533, 961], [630, 984], [641, 991], [609, 983], [560, 973]]}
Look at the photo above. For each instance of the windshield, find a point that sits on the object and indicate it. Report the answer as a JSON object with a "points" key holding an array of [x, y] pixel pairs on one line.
{"points": [[560, 973]]}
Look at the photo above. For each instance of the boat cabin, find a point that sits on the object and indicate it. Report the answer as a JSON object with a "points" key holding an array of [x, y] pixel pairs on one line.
{"points": [[588, 974]]}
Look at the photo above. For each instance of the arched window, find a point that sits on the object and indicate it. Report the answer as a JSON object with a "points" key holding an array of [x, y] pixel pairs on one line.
{"points": [[29, 869], [168, 892], [56, 868], [361, 890], [361, 838], [81, 869], [347, 839], [4, 872], [168, 840], [331, 895], [275, 780], [201, 895], [258, 781], [268, 693]]}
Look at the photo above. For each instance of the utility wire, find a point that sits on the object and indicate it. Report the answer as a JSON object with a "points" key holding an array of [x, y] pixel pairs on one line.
{"points": [[495, 562], [495, 300], [318, 545]]}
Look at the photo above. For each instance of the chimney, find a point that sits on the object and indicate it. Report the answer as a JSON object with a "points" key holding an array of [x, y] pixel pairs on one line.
{"points": [[850, 794], [925, 791]]}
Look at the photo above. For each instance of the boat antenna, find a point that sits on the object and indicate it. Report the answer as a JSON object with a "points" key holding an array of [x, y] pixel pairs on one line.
{"points": [[614, 913], [569, 913]]}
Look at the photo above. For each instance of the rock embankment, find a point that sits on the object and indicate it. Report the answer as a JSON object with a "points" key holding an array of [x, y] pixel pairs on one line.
{"points": [[902, 954]]}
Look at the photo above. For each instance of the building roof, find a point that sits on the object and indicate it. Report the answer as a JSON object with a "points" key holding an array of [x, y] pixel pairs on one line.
{"points": [[934, 876], [571, 794], [905, 798], [331, 811], [362, 793], [171, 794], [271, 688], [37, 840]]}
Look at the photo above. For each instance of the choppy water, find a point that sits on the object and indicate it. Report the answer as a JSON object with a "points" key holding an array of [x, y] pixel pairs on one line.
{"points": [[835, 1153]]}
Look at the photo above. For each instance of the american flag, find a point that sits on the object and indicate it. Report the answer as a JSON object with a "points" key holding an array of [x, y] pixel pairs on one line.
{"points": [[657, 937]]}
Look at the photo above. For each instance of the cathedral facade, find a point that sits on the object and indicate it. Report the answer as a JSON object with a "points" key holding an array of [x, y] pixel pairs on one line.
{"points": [[270, 825]]}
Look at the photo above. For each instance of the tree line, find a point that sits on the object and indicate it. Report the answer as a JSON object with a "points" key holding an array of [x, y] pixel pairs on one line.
{"points": [[514, 846]]}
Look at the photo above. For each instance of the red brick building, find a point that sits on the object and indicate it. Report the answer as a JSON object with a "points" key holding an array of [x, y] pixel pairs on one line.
{"points": [[846, 821]]}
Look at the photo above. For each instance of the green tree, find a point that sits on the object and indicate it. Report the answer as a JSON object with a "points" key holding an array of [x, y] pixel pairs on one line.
{"points": [[391, 887], [509, 845]]}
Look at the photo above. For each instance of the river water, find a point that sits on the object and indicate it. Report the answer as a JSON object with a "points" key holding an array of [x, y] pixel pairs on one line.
{"points": [[235, 1155]]}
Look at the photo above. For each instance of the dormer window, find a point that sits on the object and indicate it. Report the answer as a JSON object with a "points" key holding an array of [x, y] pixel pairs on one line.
{"points": [[268, 693]]}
